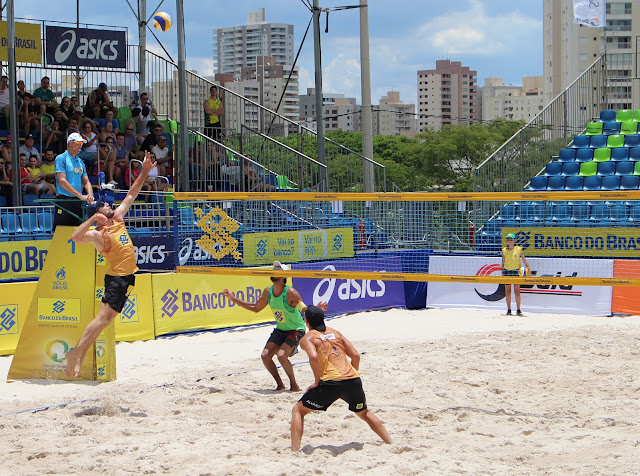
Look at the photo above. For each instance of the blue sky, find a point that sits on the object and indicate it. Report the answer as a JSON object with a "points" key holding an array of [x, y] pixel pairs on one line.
{"points": [[500, 38]]}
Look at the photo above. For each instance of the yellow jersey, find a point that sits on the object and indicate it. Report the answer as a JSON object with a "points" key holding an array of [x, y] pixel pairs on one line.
{"points": [[118, 250], [335, 364], [213, 119], [512, 257]]}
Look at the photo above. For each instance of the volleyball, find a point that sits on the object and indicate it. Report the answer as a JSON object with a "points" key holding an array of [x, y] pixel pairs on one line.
{"points": [[524, 271], [162, 21]]}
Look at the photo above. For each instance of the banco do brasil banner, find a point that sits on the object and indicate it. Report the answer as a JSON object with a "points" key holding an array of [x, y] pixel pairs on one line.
{"points": [[28, 45], [86, 47]]}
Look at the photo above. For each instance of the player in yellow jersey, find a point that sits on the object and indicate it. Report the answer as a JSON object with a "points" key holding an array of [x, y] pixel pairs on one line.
{"points": [[111, 239], [511, 256], [335, 377]]}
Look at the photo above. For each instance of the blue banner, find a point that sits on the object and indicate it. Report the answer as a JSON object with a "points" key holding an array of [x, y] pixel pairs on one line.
{"points": [[86, 47], [352, 295], [154, 252]]}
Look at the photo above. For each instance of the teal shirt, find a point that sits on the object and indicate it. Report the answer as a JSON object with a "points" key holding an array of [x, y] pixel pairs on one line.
{"points": [[287, 318], [73, 168]]}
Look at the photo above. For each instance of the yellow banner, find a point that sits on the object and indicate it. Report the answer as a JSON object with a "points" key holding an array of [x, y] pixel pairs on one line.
{"points": [[15, 299], [294, 246], [58, 315], [184, 302], [22, 259], [28, 42], [596, 242]]}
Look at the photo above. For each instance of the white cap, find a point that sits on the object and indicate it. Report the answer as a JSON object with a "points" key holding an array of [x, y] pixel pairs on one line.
{"points": [[75, 137], [279, 265]]}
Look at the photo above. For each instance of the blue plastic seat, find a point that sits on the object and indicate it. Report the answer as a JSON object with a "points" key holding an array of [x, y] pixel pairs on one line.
{"points": [[593, 182], [579, 212], [556, 182], [607, 115], [610, 128], [606, 168], [3, 201], [634, 213], [629, 182], [10, 223], [632, 140], [29, 200], [624, 168], [573, 182], [580, 142], [599, 213], [610, 182], [538, 183], [567, 155], [553, 168], [597, 142], [45, 221], [570, 168], [560, 212], [584, 155], [619, 154], [619, 213], [634, 153], [30, 223]]}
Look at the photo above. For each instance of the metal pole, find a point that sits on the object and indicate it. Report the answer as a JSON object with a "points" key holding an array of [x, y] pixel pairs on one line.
{"points": [[182, 96], [13, 111], [367, 116], [142, 45], [318, 65], [77, 67]]}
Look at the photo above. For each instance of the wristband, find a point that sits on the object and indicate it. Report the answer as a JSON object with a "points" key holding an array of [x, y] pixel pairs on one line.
{"points": [[301, 306]]}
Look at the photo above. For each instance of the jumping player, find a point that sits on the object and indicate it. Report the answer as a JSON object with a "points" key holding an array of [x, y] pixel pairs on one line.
{"points": [[111, 239], [286, 304], [335, 377]]}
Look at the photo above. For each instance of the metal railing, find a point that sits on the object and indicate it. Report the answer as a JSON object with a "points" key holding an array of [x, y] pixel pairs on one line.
{"points": [[511, 167]]}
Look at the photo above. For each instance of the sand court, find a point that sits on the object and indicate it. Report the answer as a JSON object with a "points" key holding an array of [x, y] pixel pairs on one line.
{"points": [[460, 392]]}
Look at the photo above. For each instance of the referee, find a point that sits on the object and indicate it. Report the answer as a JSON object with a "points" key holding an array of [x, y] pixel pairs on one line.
{"points": [[71, 178]]}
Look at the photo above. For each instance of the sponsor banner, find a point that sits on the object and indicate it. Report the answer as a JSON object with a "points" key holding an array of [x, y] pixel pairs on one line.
{"points": [[15, 299], [626, 299], [191, 252], [589, 12], [86, 47], [578, 299], [22, 259], [352, 295], [295, 246], [606, 242], [187, 302], [57, 318], [154, 252], [28, 42]]}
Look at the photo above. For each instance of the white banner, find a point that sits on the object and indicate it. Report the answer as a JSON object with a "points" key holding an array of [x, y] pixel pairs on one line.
{"points": [[589, 12], [582, 300]]}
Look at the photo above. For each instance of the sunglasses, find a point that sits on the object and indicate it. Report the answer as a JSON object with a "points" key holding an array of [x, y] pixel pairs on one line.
{"points": [[129, 129], [77, 142]]}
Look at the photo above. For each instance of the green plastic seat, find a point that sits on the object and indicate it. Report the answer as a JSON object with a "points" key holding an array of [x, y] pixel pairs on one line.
{"points": [[636, 169], [283, 182], [174, 127], [636, 115], [602, 155], [123, 113], [624, 115], [615, 140], [629, 127], [587, 169], [594, 129]]}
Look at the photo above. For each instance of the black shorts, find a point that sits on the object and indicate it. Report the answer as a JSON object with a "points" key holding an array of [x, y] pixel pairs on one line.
{"points": [[117, 289], [509, 272], [69, 204], [213, 130], [291, 338], [322, 396]]}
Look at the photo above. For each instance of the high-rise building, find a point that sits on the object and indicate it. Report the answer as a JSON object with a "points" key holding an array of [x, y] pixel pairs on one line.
{"points": [[238, 46], [396, 117], [511, 102], [569, 49], [338, 111], [446, 95]]}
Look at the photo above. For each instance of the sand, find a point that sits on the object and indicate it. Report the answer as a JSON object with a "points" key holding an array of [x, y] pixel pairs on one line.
{"points": [[461, 392]]}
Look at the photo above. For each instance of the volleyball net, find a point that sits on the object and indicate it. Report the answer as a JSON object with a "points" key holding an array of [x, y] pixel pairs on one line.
{"points": [[568, 238]]}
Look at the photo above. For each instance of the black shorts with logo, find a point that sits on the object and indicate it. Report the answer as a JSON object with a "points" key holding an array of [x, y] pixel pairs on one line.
{"points": [[291, 338], [69, 213], [509, 272], [327, 392], [117, 289]]}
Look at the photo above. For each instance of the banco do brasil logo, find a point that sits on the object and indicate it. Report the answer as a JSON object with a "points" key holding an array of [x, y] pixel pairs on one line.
{"points": [[8, 319], [261, 249], [56, 350], [58, 307], [169, 306]]}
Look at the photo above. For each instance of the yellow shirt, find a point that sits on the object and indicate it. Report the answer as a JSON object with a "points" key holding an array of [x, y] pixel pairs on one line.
{"points": [[335, 364], [118, 250], [512, 257], [213, 105], [34, 172], [48, 169]]}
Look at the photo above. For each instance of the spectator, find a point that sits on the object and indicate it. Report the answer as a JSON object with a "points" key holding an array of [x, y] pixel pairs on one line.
{"points": [[150, 141], [26, 184], [98, 103], [71, 178], [89, 153], [28, 149], [45, 97], [73, 126], [164, 155], [74, 102], [38, 177], [130, 141], [67, 107], [78, 115], [145, 101], [213, 109], [59, 116], [121, 162], [108, 132], [22, 92], [108, 118], [134, 170], [151, 181], [7, 157], [48, 167], [6, 186], [4, 95], [144, 121], [55, 137], [253, 182], [133, 120], [30, 116]]}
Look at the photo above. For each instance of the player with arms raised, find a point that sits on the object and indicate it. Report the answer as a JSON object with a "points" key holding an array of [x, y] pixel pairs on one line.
{"points": [[111, 239]]}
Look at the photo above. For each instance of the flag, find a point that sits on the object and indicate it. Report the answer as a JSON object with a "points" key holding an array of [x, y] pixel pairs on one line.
{"points": [[589, 12]]}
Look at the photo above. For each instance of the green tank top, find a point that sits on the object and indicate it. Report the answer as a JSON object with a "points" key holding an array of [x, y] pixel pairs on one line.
{"points": [[287, 318]]}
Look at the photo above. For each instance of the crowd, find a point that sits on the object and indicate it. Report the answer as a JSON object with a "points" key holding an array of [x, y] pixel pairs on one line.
{"points": [[116, 141]]}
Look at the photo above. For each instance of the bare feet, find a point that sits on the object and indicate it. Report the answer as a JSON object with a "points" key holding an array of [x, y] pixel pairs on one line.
{"points": [[74, 362], [294, 388], [279, 388]]}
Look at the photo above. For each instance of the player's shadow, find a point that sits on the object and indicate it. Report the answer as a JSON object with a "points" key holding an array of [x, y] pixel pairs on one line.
{"points": [[334, 450]]}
